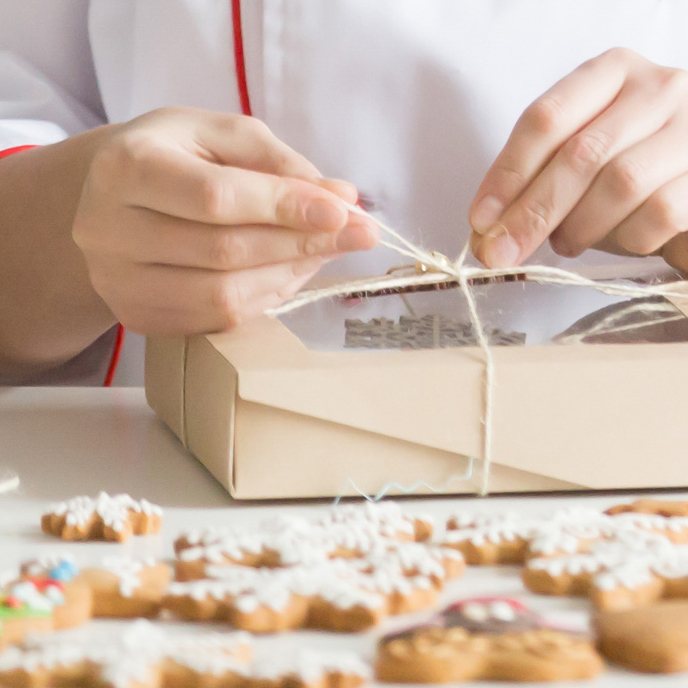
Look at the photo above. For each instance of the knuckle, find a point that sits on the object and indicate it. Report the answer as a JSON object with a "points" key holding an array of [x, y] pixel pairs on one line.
{"points": [[314, 244], [625, 177], [563, 246], [664, 212], [674, 80], [639, 245], [537, 218], [228, 298], [119, 157], [134, 147], [214, 198], [620, 54], [587, 151], [228, 251], [286, 204], [508, 179], [544, 115], [253, 126]]}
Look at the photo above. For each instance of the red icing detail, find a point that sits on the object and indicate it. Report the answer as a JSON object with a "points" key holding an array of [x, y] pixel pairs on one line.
{"points": [[239, 59], [16, 149], [514, 604], [42, 584], [13, 602]]}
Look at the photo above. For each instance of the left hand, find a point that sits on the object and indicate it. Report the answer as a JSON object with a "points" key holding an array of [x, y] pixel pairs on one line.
{"points": [[599, 161]]}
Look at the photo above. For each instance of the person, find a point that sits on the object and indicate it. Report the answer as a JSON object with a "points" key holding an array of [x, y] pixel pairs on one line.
{"points": [[152, 201]]}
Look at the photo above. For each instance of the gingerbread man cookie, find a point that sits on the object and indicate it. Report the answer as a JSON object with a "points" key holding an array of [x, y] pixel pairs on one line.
{"points": [[119, 587], [24, 609], [42, 599], [143, 656], [103, 518], [485, 639]]}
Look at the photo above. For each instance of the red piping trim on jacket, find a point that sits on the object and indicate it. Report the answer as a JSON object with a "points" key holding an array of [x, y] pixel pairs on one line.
{"points": [[114, 360], [240, 60], [117, 351], [16, 149]]}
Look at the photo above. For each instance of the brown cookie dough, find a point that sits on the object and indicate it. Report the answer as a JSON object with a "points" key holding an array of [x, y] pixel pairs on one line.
{"points": [[103, 518], [143, 656], [652, 639], [485, 639]]}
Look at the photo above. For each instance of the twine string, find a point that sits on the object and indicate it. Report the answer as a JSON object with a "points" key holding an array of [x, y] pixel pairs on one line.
{"points": [[439, 268]]}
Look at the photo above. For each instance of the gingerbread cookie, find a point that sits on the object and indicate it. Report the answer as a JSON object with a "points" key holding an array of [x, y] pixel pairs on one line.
{"points": [[665, 518], [60, 571], [507, 538], [485, 639], [143, 656], [511, 538], [344, 532], [336, 594], [103, 518], [123, 587], [652, 639], [25, 609], [43, 599], [119, 587], [633, 568]]}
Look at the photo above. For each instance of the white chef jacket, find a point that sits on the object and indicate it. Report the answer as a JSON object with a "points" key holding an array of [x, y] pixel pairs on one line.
{"points": [[408, 99]]}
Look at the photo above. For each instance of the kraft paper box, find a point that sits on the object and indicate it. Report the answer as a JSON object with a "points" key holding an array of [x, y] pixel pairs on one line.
{"points": [[272, 417]]}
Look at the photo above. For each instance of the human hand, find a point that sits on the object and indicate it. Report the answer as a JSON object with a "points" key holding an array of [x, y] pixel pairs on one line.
{"points": [[599, 161], [194, 221]]}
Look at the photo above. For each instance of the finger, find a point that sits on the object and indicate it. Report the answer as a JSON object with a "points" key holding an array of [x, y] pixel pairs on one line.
{"points": [[183, 185], [247, 142], [656, 222], [574, 175], [675, 252], [146, 236], [622, 187], [346, 191], [174, 321], [218, 299], [542, 129]]}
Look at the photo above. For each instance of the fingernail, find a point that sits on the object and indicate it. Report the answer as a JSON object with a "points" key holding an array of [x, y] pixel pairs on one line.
{"points": [[498, 249], [325, 216], [486, 213], [355, 238]]}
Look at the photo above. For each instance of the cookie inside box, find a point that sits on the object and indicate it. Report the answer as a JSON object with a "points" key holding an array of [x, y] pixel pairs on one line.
{"points": [[512, 314]]}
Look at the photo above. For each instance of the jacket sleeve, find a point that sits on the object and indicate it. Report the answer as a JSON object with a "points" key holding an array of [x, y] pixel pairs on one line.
{"points": [[33, 110]]}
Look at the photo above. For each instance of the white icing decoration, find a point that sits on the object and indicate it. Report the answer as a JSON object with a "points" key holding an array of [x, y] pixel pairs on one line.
{"points": [[475, 612], [128, 571], [112, 510], [131, 656], [358, 530], [502, 611]]}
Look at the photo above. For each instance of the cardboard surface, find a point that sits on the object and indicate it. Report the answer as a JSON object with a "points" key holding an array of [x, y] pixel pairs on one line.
{"points": [[271, 418]]}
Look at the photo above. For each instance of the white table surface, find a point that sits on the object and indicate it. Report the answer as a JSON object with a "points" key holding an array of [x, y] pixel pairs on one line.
{"points": [[65, 442]]}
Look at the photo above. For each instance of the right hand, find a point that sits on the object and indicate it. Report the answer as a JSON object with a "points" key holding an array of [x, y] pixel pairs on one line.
{"points": [[193, 221]]}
